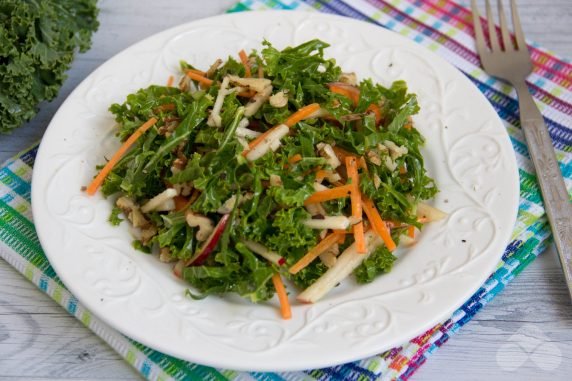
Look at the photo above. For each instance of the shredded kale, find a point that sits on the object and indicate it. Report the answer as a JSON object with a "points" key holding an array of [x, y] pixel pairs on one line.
{"points": [[114, 218], [206, 162], [379, 262]]}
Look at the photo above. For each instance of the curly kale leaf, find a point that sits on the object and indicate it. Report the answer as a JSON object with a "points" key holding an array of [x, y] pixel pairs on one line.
{"points": [[379, 262], [38, 40]]}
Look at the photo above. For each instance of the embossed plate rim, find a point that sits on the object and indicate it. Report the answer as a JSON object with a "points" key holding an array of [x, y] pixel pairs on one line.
{"points": [[424, 289]]}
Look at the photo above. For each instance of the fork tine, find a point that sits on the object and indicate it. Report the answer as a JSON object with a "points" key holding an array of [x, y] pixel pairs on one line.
{"points": [[504, 29], [479, 36], [495, 47], [519, 34]]}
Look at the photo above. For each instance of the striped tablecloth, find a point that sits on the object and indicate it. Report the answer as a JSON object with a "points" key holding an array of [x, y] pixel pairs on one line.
{"points": [[441, 26]]}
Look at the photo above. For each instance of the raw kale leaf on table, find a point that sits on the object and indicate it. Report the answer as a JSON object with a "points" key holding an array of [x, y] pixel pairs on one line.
{"points": [[38, 41]]}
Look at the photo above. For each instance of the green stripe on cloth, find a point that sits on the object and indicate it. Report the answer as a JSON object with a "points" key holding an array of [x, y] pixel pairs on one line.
{"points": [[19, 245]]}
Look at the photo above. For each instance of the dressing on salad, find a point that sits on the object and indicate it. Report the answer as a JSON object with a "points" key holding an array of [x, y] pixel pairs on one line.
{"points": [[276, 165]]}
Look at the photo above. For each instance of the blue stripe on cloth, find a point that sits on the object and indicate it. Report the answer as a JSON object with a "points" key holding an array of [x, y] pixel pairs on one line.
{"points": [[145, 369], [7, 198], [72, 305], [30, 156], [44, 283], [14, 182], [259, 376], [511, 249]]}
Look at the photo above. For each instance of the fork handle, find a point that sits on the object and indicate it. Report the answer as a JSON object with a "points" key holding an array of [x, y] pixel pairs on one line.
{"points": [[556, 200]]}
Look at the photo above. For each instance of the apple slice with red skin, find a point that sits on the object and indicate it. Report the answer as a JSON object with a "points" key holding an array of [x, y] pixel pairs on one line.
{"points": [[208, 247]]}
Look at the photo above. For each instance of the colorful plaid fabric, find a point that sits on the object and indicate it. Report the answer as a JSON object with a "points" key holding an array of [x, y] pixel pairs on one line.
{"points": [[441, 26]]}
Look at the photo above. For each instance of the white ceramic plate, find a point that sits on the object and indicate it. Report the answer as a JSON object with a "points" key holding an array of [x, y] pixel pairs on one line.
{"points": [[468, 152]]}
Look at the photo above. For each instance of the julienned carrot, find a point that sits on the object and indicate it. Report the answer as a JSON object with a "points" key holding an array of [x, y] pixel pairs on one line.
{"points": [[341, 153], [376, 112], [357, 211], [377, 223], [347, 91], [342, 233], [295, 158], [351, 170], [324, 245], [199, 72], [170, 81], [244, 60], [321, 174], [360, 238], [166, 107], [192, 74], [411, 231], [329, 194], [92, 188], [247, 94], [285, 309], [301, 114]]}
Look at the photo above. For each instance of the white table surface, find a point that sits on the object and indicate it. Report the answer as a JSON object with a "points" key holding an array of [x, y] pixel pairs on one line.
{"points": [[524, 333]]}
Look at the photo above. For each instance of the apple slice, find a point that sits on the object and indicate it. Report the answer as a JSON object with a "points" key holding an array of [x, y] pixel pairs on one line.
{"points": [[178, 268], [265, 252], [202, 254], [345, 264]]}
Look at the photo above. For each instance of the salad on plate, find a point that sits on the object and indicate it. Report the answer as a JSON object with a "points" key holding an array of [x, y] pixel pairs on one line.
{"points": [[272, 165]]}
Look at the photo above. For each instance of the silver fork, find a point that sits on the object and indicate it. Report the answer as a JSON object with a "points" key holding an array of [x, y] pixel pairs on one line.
{"points": [[513, 64]]}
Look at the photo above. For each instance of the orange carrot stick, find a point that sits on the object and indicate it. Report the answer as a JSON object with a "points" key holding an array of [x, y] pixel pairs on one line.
{"points": [[329, 194], [343, 233], [295, 158], [247, 94], [357, 212], [192, 74], [341, 153], [321, 174], [411, 231], [199, 72], [324, 245], [285, 309], [166, 107], [244, 60], [359, 237], [376, 111], [258, 140], [347, 91], [301, 114], [92, 188], [377, 223], [170, 81]]}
